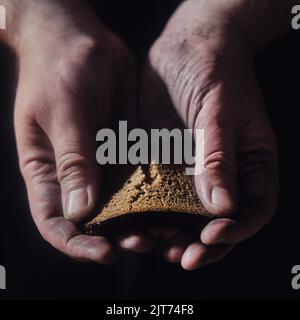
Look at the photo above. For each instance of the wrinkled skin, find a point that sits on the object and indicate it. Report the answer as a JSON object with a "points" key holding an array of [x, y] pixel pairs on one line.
{"points": [[204, 74], [70, 81]]}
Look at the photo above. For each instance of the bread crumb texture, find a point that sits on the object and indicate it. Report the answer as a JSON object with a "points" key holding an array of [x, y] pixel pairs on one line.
{"points": [[154, 188]]}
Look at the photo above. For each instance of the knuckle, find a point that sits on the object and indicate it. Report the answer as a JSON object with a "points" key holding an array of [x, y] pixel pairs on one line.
{"points": [[75, 57], [87, 52], [70, 166], [30, 167], [37, 170], [220, 161]]}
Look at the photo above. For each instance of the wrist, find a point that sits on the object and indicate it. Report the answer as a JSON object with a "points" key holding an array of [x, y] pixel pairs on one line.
{"points": [[258, 21], [197, 30], [33, 22]]}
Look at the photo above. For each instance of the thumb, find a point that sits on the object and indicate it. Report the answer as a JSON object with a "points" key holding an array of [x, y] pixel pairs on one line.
{"points": [[216, 186], [74, 144]]}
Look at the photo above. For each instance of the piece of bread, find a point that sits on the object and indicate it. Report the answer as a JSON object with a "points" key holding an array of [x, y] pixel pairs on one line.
{"points": [[154, 195]]}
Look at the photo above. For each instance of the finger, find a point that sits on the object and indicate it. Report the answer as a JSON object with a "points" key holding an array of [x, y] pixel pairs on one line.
{"points": [[44, 192], [197, 255], [175, 248], [136, 241], [65, 236], [45, 204], [72, 136], [215, 232], [216, 186], [230, 231], [44, 198], [259, 191]]}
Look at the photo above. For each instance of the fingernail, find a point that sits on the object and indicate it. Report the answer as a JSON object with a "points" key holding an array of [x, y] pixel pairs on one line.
{"points": [[77, 202], [222, 198]]}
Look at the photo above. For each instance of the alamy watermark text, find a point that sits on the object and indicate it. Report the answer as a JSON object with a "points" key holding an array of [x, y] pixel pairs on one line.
{"points": [[138, 146]]}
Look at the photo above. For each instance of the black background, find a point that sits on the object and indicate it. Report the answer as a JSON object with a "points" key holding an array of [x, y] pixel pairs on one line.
{"points": [[258, 268]]}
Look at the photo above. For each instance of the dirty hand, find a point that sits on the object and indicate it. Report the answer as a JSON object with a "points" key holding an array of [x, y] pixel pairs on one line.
{"points": [[201, 69], [73, 73]]}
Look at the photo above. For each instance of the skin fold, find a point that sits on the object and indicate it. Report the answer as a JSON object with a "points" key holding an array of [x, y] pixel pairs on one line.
{"points": [[199, 69]]}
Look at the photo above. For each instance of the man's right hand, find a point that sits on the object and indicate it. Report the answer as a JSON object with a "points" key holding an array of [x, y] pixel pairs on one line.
{"points": [[73, 73]]}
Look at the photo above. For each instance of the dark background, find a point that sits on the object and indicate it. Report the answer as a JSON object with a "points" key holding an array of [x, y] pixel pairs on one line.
{"points": [[258, 268]]}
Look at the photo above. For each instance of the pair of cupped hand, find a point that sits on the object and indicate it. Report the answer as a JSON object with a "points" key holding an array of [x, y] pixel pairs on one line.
{"points": [[72, 79]]}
